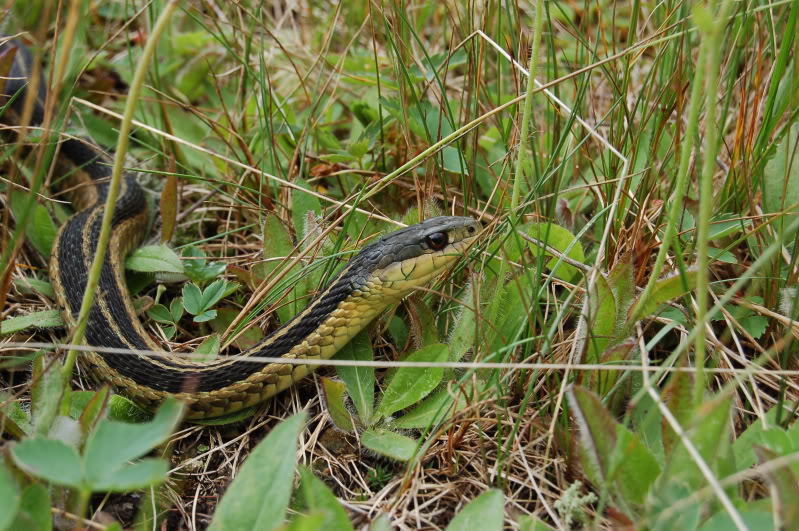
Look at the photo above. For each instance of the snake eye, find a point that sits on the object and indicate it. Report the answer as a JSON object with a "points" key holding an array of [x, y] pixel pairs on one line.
{"points": [[437, 240]]}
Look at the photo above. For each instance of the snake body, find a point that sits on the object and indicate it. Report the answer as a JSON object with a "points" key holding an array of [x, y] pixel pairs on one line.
{"points": [[380, 275]]}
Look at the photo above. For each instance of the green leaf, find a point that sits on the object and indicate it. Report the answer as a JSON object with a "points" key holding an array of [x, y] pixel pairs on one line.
{"points": [[34, 509], [197, 267], [114, 443], [742, 447], [176, 309], [666, 289], [41, 229], [725, 225], [389, 444], [29, 285], [41, 320], [155, 259], [213, 293], [709, 433], [633, 467], [50, 460], [139, 475], [161, 314], [464, 329], [454, 161], [411, 384], [317, 498], [429, 411], [678, 396], [277, 244], [721, 521], [561, 239], [602, 312], [259, 495], [486, 513], [93, 411], [9, 497], [360, 380], [301, 204], [597, 434], [207, 315], [333, 391], [247, 339], [209, 349], [781, 177], [193, 299], [622, 285], [785, 488]]}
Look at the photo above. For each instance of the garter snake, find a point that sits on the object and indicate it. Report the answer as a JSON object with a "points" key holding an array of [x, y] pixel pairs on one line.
{"points": [[380, 275]]}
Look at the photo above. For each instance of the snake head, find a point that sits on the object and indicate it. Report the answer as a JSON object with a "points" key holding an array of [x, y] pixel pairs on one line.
{"points": [[409, 258]]}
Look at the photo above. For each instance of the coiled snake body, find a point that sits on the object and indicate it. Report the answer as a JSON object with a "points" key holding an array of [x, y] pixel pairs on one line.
{"points": [[380, 275]]}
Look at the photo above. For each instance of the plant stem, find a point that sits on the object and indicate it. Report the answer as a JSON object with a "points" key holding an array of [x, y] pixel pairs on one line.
{"points": [[113, 188], [527, 109], [713, 38]]}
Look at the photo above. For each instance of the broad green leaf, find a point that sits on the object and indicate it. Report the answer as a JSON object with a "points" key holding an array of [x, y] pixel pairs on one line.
{"points": [[46, 392], [93, 412], [486, 513], [709, 433], [725, 225], [454, 161], [277, 244], [411, 384], [316, 497], [389, 444], [678, 396], [41, 231], [139, 475], [429, 411], [742, 447], [197, 267], [720, 255], [602, 315], [213, 293], [597, 433], [360, 380], [247, 340], [206, 316], [781, 177], [193, 299], [50, 460], [666, 289], [754, 520], [602, 382], [561, 239], [661, 512], [381, 523], [462, 336], [786, 488], [119, 407], [231, 418], [160, 313], [34, 509], [334, 400], [209, 349], [634, 468], [9, 497], [41, 320], [622, 285], [301, 204], [259, 495], [115, 443], [34, 285], [155, 259]]}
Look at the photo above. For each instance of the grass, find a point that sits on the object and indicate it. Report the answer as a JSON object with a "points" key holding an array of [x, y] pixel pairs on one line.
{"points": [[640, 370]]}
